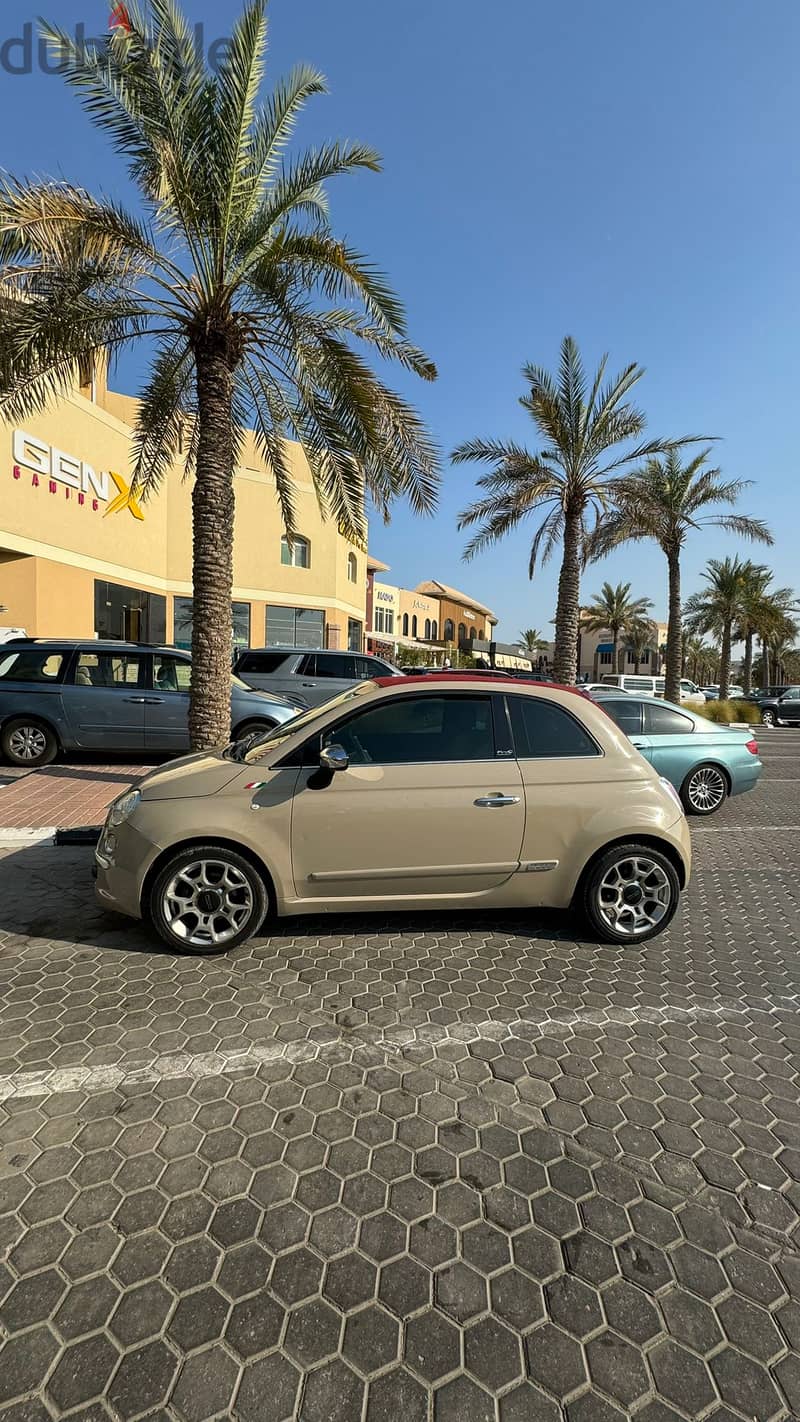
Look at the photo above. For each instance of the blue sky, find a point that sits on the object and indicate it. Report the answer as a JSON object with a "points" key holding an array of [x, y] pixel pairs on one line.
{"points": [[624, 171]]}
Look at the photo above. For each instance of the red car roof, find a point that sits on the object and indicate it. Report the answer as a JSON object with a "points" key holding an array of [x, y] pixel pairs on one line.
{"points": [[447, 677]]}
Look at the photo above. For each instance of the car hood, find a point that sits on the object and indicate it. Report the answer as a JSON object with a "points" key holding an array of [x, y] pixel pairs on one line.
{"points": [[204, 773]]}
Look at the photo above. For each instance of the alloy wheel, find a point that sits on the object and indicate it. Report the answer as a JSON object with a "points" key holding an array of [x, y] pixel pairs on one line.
{"points": [[634, 895], [706, 789], [768, 718], [207, 902], [27, 743]]}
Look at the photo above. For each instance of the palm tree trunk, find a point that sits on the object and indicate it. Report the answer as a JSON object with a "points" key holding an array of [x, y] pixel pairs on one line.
{"points": [[674, 657], [212, 556], [568, 605], [615, 652], [747, 664], [764, 664], [725, 661]]}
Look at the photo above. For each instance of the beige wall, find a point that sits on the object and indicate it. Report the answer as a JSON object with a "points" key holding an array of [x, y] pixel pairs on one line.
{"points": [[418, 605], [70, 541]]}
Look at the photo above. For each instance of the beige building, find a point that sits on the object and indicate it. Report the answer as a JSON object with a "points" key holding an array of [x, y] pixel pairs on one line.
{"points": [[431, 616], [80, 558]]}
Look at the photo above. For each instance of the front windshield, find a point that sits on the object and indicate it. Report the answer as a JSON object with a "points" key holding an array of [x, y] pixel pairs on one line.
{"points": [[271, 740], [239, 684]]}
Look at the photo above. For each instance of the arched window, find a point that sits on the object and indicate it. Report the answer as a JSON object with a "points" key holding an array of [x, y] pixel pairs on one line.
{"points": [[449, 630], [427, 629], [462, 632], [435, 630], [472, 634], [414, 625], [296, 555], [352, 568], [405, 624]]}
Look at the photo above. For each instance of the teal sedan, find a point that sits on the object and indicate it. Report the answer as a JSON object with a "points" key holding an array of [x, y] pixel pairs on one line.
{"points": [[704, 762]]}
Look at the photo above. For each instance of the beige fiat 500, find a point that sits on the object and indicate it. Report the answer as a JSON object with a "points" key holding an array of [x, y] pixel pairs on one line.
{"points": [[421, 793]]}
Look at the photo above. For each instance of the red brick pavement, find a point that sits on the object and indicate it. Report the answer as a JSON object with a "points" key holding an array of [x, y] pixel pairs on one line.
{"points": [[65, 796]]}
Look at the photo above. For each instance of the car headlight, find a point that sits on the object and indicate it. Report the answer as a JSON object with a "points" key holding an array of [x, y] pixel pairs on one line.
{"points": [[123, 808], [670, 788]]}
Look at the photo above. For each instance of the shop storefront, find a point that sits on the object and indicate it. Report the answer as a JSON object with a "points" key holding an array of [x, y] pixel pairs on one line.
{"points": [[81, 557]]}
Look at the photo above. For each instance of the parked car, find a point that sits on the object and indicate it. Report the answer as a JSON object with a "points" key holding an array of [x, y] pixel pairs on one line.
{"points": [[597, 689], [412, 793], [781, 707], [705, 762], [766, 693], [654, 686], [308, 677], [60, 695], [711, 693]]}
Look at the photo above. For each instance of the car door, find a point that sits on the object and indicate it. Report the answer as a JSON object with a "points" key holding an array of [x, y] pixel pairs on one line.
{"points": [[322, 675], [104, 700], [167, 702], [789, 706], [673, 746], [431, 803]]}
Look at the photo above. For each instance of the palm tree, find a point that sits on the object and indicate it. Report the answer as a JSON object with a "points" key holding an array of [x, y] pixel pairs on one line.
{"points": [[532, 641], [565, 482], [763, 610], [665, 500], [614, 610], [642, 637], [717, 608], [702, 659], [252, 309]]}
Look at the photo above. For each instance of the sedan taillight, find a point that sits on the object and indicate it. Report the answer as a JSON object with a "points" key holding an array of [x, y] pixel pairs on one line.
{"points": [[752, 746]]}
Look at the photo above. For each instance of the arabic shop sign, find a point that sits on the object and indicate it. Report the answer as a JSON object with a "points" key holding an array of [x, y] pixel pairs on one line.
{"points": [[50, 468]]}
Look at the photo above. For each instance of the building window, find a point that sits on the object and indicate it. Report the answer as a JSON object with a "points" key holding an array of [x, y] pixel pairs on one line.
{"points": [[645, 657], [297, 554], [449, 630], [353, 634], [295, 627], [427, 629], [405, 624], [472, 632], [435, 630], [352, 567], [414, 625], [128, 614], [379, 620], [182, 617], [462, 632], [631, 656], [389, 620]]}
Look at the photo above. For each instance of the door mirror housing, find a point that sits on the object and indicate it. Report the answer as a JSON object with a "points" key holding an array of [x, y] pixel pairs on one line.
{"points": [[334, 758]]}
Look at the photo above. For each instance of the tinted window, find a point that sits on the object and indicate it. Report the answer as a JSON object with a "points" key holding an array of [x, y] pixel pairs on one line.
{"points": [[638, 683], [376, 668], [104, 669], [793, 694], [335, 664], [263, 662], [627, 713], [663, 721], [172, 674], [543, 729], [413, 730], [38, 665]]}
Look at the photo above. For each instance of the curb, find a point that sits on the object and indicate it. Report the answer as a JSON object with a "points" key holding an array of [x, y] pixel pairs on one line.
{"points": [[28, 836]]}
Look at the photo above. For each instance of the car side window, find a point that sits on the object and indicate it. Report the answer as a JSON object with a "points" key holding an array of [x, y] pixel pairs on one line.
{"points": [[367, 668], [664, 721], [545, 730], [335, 664], [263, 662], [627, 712], [172, 674], [793, 694], [31, 666], [109, 669], [415, 730]]}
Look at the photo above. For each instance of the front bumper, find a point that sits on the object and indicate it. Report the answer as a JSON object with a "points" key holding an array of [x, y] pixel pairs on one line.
{"points": [[121, 861]]}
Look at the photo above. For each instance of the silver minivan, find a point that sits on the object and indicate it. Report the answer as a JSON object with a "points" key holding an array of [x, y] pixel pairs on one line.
{"points": [[308, 677], [654, 686]]}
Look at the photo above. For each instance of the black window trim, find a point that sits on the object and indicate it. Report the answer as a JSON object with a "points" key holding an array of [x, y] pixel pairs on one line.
{"points": [[90, 649], [308, 753], [518, 696]]}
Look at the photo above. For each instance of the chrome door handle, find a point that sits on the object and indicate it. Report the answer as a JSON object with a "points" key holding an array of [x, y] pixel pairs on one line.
{"points": [[136, 700], [489, 802], [153, 700]]}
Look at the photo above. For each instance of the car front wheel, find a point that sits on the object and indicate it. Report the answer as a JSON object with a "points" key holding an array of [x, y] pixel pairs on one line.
{"points": [[207, 899], [630, 893], [704, 790], [28, 742], [768, 717]]}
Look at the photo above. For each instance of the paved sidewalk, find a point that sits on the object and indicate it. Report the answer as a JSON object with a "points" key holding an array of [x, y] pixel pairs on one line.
{"points": [[64, 796], [441, 1168]]}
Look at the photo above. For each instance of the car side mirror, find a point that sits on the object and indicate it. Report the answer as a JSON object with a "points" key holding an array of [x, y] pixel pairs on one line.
{"points": [[334, 758]]}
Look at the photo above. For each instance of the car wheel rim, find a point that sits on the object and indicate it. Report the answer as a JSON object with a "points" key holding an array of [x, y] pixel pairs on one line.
{"points": [[634, 896], [207, 903], [27, 743], [706, 789], [768, 718]]}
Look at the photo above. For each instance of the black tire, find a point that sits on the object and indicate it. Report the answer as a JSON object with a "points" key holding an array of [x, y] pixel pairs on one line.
{"points": [[768, 717], [705, 789], [243, 911], [595, 894], [253, 728], [28, 742]]}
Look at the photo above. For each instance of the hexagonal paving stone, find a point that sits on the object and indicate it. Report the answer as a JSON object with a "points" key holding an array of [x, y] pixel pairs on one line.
{"points": [[199, 1318], [32, 1300], [432, 1345], [370, 1339], [462, 1400], [492, 1354], [24, 1361], [205, 1385], [141, 1313], [460, 1291], [644, 1264], [332, 1393], [617, 1367], [283, 1227], [87, 1306], [574, 1305], [630, 1312], [143, 1379], [554, 1360], [350, 1280], [527, 1404], [397, 1395], [333, 1231], [680, 1377], [244, 1269], [382, 1236], [690, 1320], [312, 1333], [254, 1326], [296, 1275], [275, 1378], [745, 1384], [405, 1286], [83, 1372]]}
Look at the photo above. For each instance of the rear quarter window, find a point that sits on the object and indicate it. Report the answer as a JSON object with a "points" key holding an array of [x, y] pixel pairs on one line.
{"points": [[263, 662], [40, 665], [545, 730]]}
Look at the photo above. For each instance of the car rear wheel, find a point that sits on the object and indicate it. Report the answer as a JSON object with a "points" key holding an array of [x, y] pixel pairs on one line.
{"points": [[28, 742], [704, 790], [207, 899], [630, 893], [768, 717]]}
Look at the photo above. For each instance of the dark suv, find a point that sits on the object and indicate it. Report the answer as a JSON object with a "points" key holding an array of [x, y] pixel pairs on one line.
{"points": [[779, 705], [308, 677], [108, 696]]}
